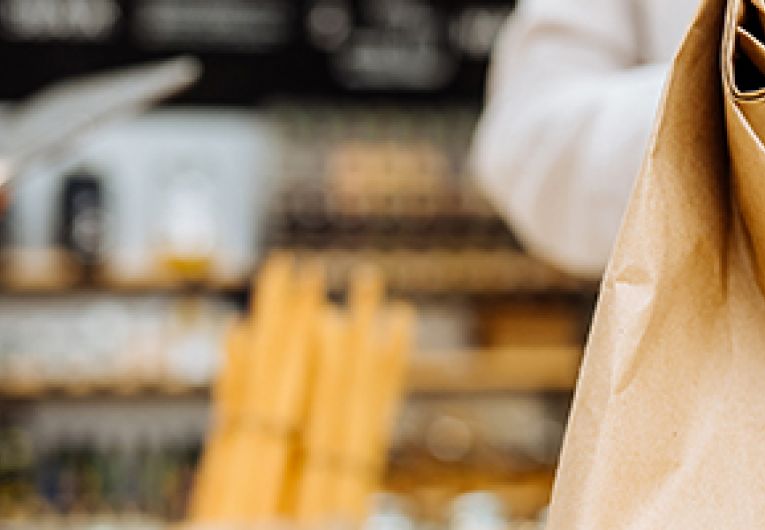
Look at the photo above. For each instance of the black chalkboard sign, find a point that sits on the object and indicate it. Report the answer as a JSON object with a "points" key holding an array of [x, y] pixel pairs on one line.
{"points": [[256, 49]]}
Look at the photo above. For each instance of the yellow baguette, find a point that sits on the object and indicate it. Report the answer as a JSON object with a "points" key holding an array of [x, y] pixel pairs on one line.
{"points": [[269, 327], [324, 421], [371, 420], [395, 361], [288, 379], [365, 295]]}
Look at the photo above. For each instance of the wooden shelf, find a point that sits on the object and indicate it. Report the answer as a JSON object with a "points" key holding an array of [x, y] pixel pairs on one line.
{"points": [[50, 285], [85, 522], [509, 369], [126, 390], [515, 369], [472, 271], [98, 523], [55, 271], [526, 494], [435, 271]]}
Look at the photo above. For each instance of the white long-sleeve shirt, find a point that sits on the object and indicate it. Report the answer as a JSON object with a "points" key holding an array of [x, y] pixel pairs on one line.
{"points": [[572, 93]]}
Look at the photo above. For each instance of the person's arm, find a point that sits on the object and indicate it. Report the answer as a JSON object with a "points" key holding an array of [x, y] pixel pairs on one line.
{"points": [[568, 117]]}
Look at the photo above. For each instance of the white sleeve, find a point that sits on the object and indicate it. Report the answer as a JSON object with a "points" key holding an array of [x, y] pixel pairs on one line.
{"points": [[568, 116]]}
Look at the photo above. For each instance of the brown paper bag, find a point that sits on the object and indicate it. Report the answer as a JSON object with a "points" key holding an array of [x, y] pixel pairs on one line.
{"points": [[667, 423]]}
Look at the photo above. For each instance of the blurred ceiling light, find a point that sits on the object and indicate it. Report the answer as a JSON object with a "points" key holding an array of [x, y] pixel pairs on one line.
{"points": [[378, 59], [68, 20], [234, 25], [408, 15], [474, 31], [329, 24]]}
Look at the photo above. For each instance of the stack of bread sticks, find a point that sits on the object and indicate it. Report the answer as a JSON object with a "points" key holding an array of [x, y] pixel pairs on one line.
{"points": [[304, 404]]}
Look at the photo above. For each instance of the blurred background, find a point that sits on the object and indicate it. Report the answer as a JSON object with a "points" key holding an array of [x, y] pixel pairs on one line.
{"points": [[337, 129]]}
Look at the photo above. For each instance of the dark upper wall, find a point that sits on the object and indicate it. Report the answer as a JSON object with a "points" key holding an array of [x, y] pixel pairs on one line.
{"points": [[256, 49]]}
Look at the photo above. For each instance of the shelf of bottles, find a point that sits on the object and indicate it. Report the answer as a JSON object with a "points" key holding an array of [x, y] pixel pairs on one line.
{"points": [[497, 355], [349, 183]]}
